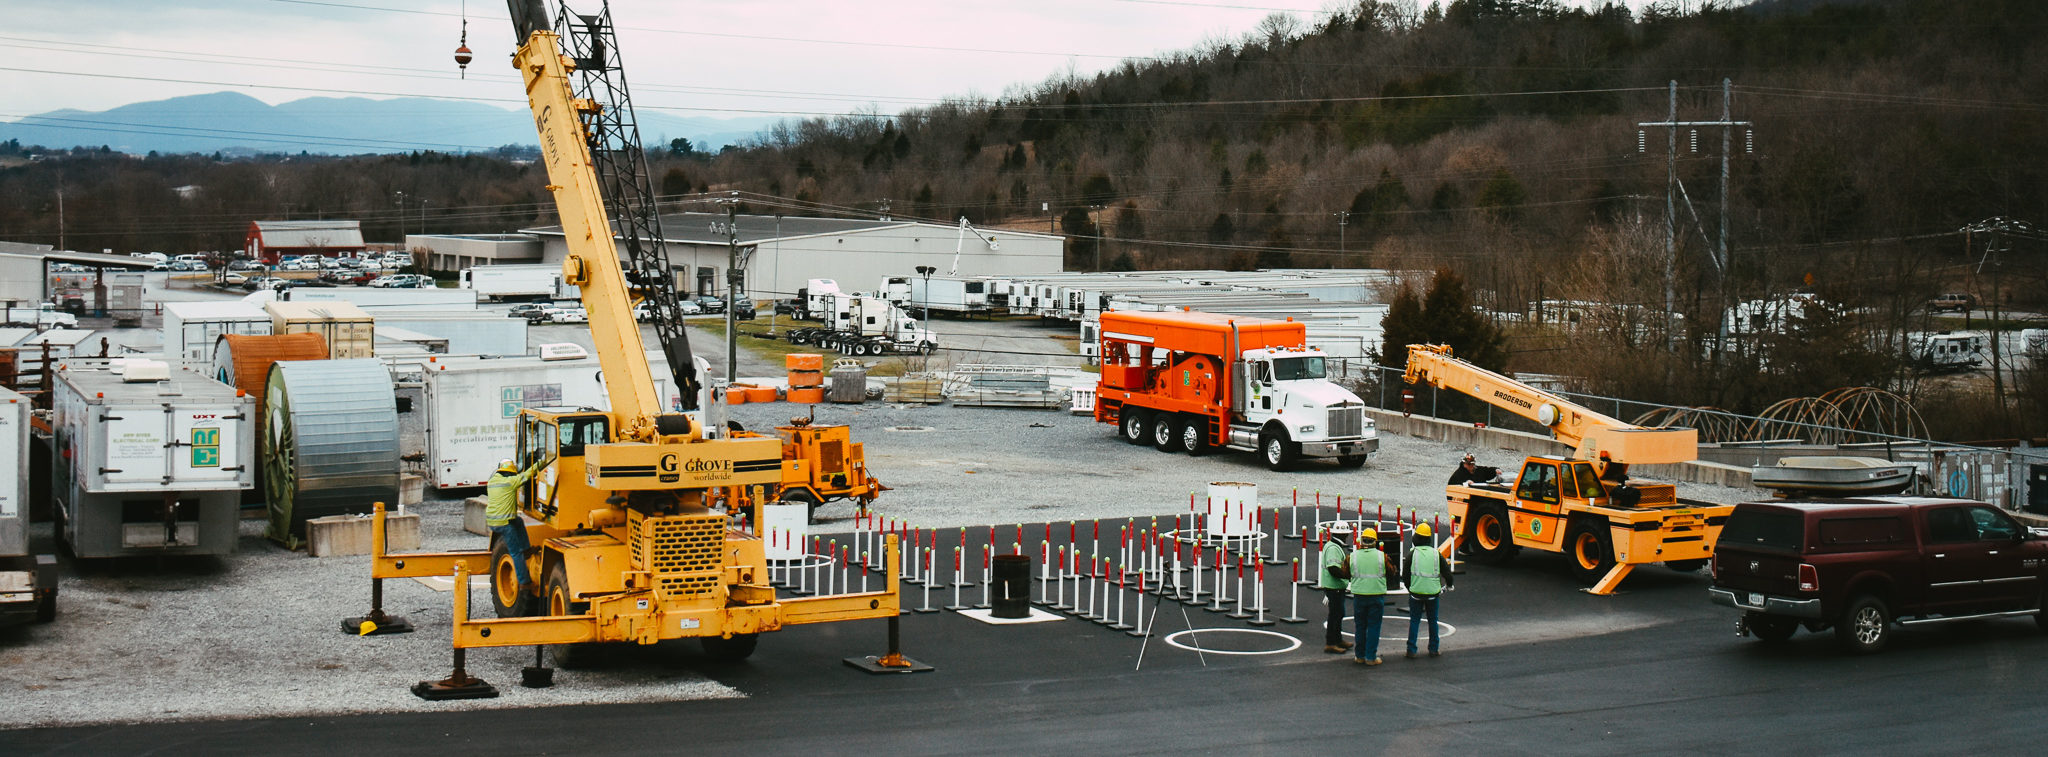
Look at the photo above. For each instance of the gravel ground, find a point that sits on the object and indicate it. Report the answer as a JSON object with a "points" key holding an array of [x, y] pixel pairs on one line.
{"points": [[257, 633]]}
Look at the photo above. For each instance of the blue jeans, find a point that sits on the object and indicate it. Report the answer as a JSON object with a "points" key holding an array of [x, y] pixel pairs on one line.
{"points": [[514, 536], [1417, 606], [1365, 623]]}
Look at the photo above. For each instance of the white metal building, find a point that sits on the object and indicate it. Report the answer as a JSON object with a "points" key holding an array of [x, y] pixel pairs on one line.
{"points": [[788, 250], [454, 252]]}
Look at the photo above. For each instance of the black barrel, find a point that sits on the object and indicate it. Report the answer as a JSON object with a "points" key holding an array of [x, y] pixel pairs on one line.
{"points": [[1010, 595]]}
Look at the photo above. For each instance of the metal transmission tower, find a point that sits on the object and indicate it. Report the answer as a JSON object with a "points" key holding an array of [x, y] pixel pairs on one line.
{"points": [[622, 168], [1674, 189]]}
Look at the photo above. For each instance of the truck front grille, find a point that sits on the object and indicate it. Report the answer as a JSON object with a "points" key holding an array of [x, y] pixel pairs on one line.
{"points": [[684, 552], [1347, 422]]}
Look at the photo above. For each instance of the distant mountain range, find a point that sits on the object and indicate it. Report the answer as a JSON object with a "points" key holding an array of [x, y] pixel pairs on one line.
{"points": [[236, 123]]}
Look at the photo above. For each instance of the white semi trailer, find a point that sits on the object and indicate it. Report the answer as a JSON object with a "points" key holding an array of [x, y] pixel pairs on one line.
{"points": [[517, 282], [150, 459], [28, 581]]}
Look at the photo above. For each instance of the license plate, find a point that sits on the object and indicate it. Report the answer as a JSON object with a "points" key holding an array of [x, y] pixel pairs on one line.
{"points": [[1756, 599]]}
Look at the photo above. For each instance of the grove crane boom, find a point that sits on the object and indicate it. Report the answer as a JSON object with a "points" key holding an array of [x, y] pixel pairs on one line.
{"points": [[1608, 523]]}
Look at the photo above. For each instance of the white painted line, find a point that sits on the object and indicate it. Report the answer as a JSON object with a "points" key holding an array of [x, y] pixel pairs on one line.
{"points": [[1037, 616]]}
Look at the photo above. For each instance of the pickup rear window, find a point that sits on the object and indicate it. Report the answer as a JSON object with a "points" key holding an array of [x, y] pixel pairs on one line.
{"points": [[1769, 529], [1854, 532]]}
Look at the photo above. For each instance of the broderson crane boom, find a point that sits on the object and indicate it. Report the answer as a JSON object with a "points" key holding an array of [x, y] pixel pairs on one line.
{"points": [[1585, 507], [633, 521]]}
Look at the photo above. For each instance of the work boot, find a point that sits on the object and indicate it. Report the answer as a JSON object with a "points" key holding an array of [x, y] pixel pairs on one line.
{"points": [[1345, 645], [1434, 653], [1373, 661], [1410, 655], [1332, 649]]}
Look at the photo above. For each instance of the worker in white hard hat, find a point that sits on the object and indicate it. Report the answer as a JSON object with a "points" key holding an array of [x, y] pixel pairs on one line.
{"points": [[501, 513], [1427, 574], [1368, 595], [1332, 571]]}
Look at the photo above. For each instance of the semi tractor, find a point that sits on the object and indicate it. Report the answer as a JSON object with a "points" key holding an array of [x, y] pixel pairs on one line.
{"points": [[860, 324], [1584, 506], [643, 520], [1188, 381]]}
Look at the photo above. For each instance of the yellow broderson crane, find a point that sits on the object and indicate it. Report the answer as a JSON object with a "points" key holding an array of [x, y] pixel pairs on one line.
{"points": [[1584, 506], [641, 525]]}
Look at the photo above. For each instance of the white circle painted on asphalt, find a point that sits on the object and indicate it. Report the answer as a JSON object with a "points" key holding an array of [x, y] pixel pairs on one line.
{"points": [[1172, 639], [1443, 630]]}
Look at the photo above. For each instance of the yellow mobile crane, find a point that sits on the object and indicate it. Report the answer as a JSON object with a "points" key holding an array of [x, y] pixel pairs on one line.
{"points": [[635, 523], [1584, 506]]}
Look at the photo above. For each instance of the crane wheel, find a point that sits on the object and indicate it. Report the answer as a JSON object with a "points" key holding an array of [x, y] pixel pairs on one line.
{"points": [[1132, 423], [1586, 544], [1165, 433], [505, 595], [1489, 542], [735, 649], [560, 602]]}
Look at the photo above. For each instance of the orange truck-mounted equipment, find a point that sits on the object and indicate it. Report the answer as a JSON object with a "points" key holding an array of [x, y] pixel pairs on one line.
{"points": [[1584, 506], [1186, 381]]}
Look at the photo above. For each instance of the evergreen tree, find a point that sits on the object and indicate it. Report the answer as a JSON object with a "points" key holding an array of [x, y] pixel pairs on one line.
{"points": [[1402, 326], [1449, 317]]}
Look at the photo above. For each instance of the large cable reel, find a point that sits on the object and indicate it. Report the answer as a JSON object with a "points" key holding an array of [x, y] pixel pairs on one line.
{"points": [[331, 433]]}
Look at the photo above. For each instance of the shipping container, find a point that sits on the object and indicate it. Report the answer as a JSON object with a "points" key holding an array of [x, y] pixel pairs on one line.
{"points": [[150, 459], [191, 328], [350, 332], [517, 282]]}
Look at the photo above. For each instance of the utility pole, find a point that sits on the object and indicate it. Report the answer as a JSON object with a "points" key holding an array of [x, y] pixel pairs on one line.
{"points": [[1673, 188], [60, 219], [401, 218], [732, 283], [1998, 230], [1343, 218]]}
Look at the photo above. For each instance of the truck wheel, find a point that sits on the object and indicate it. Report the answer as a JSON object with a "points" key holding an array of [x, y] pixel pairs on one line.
{"points": [[1278, 450], [1489, 540], [735, 649], [1133, 425], [1865, 625], [1194, 437], [1769, 629], [926, 348], [1166, 433], [1586, 544], [1352, 461], [505, 595]]}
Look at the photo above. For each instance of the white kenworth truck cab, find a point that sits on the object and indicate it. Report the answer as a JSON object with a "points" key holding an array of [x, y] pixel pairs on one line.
{"points": [[1188, 381]]}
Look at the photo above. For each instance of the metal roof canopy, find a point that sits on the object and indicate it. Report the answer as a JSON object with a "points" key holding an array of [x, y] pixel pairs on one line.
{"points": [[94, 259]]}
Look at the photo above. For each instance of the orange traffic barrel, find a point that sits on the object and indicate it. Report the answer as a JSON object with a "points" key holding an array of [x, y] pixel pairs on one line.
{"points": [[810, 396]]}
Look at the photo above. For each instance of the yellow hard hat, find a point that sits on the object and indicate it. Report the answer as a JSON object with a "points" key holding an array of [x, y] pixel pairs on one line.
{"points": [[506, 466], [1369, 533], [1422, 529]]}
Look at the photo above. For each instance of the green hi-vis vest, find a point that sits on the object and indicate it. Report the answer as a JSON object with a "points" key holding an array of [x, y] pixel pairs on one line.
{"points": [[1333, 554], [1368, 572], [1425, 572]]}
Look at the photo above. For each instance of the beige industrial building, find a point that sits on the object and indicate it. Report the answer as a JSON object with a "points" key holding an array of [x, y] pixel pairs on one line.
{"points": [[858, 254], [454, 252]]}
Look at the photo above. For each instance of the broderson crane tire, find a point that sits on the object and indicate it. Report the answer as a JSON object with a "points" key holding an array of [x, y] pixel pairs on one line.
{"points": [[1585, 544], [1278, 450], [1193, 433], [1770, 629], [735, 649], [1132, 424], [1490, 542], [1166, 433], [559, 602], [1865, 625], [505, 595]]}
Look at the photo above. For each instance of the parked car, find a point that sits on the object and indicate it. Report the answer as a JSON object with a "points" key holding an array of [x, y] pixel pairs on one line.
{"points": [[233, 279], [743, 310], [403, 281], [528, 310], [567, 315], [709, 304], [245, 265], [263, 282], [1958, 302], [1863, 566]]}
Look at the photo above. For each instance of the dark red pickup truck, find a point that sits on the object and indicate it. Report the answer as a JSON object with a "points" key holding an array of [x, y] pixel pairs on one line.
{"points": [[1867, 564]]}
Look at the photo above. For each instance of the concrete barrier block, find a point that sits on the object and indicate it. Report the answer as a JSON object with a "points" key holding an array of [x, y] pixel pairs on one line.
{"points": [[473, 516], [345, 535]]}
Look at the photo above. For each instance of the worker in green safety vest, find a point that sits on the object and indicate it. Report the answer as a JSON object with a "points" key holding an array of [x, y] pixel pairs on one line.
{"points": [[1426, 575], [1368, 596], [501, 513], [1330, 572]]}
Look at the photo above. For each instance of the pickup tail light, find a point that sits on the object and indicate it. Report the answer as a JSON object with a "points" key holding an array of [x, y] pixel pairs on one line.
{"points": [[1809, 579], [1714, 566]]}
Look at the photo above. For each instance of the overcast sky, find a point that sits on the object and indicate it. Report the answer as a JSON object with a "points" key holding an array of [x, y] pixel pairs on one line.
{"points": [[706, 58]]}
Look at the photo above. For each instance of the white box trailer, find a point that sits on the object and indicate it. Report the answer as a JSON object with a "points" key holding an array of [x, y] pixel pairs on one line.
{"points": [[28, 581], [150, 460], [517, 282], [470, 406], [478, 332], [191, 328], [942, 294], [377, 299]]}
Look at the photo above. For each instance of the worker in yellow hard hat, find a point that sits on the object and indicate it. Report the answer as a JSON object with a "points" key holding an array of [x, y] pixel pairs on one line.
{"points": [[1427, 573], [1368, 595], [501, 513]]}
